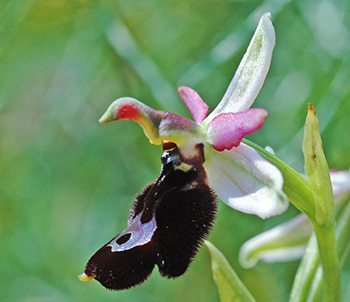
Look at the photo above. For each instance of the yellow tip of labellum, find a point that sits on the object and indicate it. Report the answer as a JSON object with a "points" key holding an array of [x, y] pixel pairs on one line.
{"points": [[84, 277]]}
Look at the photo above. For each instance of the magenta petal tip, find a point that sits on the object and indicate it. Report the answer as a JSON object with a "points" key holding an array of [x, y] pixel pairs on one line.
{"points": [[227, 130], [198, 108]]}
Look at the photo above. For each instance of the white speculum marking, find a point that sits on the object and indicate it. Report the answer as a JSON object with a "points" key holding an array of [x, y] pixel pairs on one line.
{"points": [[140, 234]]}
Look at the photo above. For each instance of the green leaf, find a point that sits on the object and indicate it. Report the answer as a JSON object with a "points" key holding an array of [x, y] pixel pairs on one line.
{"points": [[317, 172], [316, 169], [231, 288]]}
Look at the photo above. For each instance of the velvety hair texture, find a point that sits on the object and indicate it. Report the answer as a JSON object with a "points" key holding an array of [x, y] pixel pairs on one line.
{"points": [[183, 207]]}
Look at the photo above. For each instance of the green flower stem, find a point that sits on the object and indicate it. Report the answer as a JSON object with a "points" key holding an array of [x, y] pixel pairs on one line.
{"points": [[306, 272], [316, 288], [308, 280], [328, 251], [343, 244]]}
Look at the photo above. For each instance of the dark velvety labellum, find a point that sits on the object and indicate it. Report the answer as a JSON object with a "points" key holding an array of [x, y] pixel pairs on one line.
{"points": [[122, 270], [184, 219], [169, 221]]}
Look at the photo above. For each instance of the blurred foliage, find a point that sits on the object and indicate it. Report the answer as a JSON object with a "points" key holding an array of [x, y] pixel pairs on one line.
{"points": [[67, 182]]}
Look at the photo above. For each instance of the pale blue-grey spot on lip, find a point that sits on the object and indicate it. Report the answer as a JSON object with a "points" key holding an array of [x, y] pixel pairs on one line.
{"points": [[139, 234]]}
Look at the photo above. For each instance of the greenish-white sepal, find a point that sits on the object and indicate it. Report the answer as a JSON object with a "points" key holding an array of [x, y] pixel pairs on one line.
{"points": [[284, 242], [251, 72]]}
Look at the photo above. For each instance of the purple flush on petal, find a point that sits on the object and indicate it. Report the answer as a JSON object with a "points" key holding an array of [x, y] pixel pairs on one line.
{"points": [[227, 130], [194, 103]]}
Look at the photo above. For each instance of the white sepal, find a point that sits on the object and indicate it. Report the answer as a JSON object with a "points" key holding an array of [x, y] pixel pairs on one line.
{"points": [[245, 181]]}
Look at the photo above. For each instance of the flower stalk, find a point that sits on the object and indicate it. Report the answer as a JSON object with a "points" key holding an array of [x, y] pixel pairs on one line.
{"points": [[317, 172], [306, 272], [325, 235], [308, 281]]}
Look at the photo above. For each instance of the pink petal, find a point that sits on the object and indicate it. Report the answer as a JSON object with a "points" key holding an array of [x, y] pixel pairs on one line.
{"points": [[194, 103], [227, 130]]}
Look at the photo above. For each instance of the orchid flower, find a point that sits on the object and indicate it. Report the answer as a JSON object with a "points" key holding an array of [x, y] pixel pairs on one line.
{"points": [[288, 241], [236, 172], [171, 217]]}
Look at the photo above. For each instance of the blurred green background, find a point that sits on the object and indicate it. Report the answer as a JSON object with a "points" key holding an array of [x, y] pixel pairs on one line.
{"points": [[67, 182]]}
